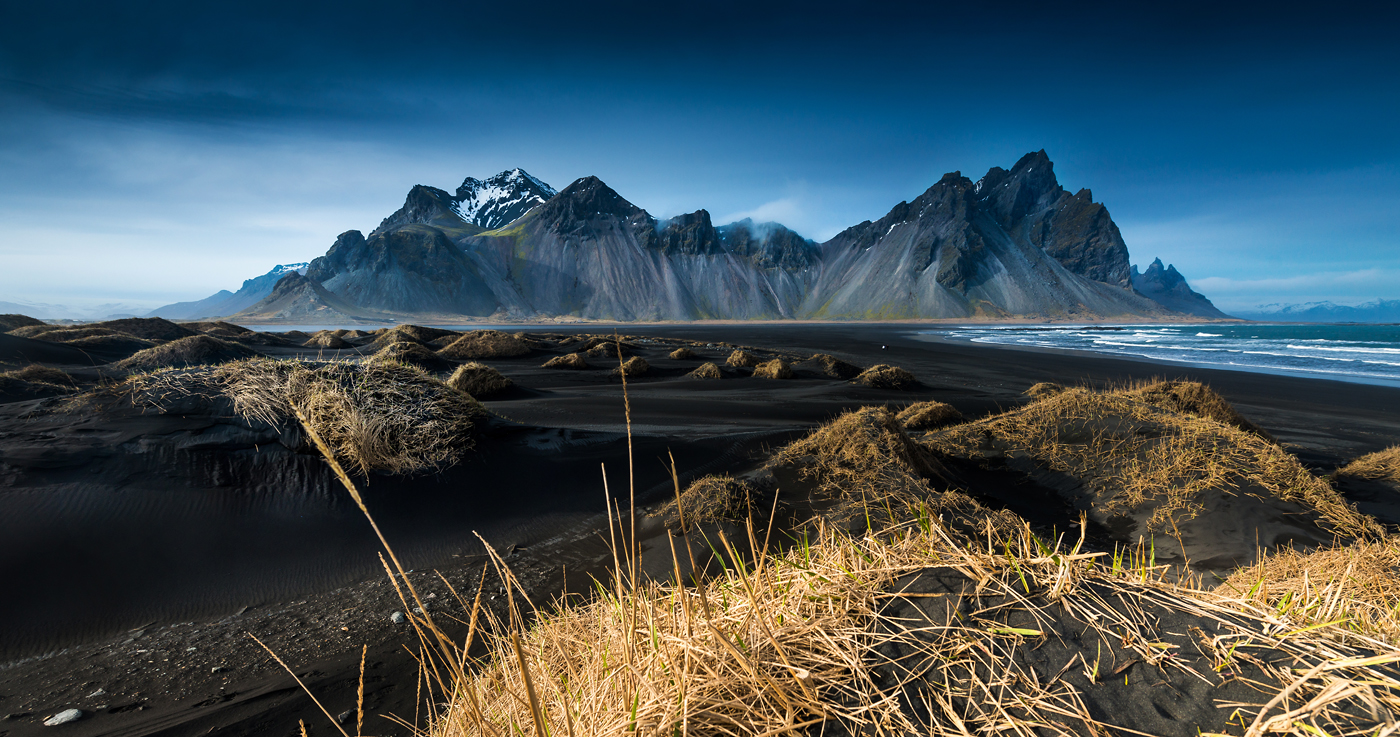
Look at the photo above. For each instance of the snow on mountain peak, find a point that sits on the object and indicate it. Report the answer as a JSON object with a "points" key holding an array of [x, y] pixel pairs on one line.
{"points": [[284, 268], [500, 199]]}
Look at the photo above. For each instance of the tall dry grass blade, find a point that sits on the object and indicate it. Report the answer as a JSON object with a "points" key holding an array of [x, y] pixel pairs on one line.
{"points": [[297, 678], [634, 552], [529, 686], [359, 502], [360, 695]]}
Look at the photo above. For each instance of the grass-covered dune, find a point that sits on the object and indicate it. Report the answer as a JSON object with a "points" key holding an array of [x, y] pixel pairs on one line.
{"points": [[943, 615]]}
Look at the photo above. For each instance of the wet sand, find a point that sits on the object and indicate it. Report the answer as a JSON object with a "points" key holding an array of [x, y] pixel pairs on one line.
{"points": [[112, 593]]}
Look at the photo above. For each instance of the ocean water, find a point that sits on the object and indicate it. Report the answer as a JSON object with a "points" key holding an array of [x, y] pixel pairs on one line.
{"points": [[1363, 353]]}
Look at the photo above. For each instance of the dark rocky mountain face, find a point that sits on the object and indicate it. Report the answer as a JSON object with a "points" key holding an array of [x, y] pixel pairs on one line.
{"points": [[769, 245], [1028, 202], [589, 200], [590, 252], [961, 250], [691, 234], [413, 269], [501, 199], [1167, 287], [426, 206], [298, 298]]}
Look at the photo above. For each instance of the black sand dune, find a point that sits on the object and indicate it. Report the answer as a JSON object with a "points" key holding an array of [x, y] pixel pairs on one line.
{"points": [[129, 520], [14, 349]]}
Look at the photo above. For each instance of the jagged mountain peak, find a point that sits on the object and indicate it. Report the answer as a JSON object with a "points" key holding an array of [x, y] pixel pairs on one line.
{"points": [[1166, 275], [425, 205], [510, 178], [501, 199], [690, 233], [588, 199], [1166, 286], [477, 205]]}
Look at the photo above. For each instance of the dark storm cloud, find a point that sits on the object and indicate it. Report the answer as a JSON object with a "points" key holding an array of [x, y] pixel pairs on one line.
{"points": [[191, 60]]}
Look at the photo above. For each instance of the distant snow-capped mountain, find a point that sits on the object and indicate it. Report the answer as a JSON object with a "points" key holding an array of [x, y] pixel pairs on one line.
{"points": [[1381, 310]]}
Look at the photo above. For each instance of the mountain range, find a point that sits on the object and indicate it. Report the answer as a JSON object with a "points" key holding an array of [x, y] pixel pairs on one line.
{"points": [[1013, 243], [225, 302], [1377, 311]]}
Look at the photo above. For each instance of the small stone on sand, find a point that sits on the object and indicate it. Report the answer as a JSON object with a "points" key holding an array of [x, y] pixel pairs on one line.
{"points": [[64, 717]]}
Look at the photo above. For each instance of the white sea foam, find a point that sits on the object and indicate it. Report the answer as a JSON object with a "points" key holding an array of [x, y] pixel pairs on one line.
{"points": [[1363, 351]]}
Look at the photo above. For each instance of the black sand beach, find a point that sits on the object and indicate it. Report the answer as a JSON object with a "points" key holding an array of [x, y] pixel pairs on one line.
{"points": [[141, 550]]}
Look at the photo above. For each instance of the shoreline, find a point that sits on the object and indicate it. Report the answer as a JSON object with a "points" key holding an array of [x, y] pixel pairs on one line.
{"points": [[1290, 373]]}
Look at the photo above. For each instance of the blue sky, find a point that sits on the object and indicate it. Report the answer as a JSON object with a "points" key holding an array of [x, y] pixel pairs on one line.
{"points": [[162, 151]]}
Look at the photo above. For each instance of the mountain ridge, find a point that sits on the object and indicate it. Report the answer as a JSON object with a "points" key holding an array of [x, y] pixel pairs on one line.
{"points": [[1014, 243], [1375, 311], [224, 302]]}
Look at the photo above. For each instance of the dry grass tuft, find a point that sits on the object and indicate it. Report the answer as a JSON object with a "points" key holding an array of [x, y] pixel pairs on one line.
{"points": [[480, 344], [707, 370], [147, 328], [13, 322], [713, 499], [39, 374], [217, 328], [412, 354], [65, 333], [1044, 390], [114, 343], [197, 350], [1379, 466], [1135, 457], [832, 367], [479, 380], [376, 416], [683, 354], [1355, 587], [574, 361], [609, 349], [142, 328], [865, 457], [863, 453], [882, 376], [34, 381], [634, 366], [929, 416], [597, 345], [742, 359], [328, 340], [774, 369], [1194, 398], [404, 334]]}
